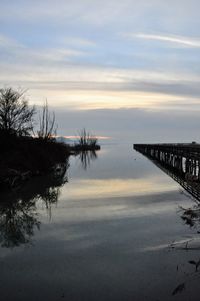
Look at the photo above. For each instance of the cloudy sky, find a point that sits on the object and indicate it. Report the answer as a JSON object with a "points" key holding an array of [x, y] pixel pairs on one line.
{"points": [[125, 69]]}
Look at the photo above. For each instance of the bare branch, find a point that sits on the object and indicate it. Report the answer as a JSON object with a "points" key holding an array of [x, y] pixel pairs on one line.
{"points": [[47, 128], [16, 117]]}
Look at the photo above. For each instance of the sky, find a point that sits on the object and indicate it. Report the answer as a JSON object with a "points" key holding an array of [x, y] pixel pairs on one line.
{"points": [[129, 70]]}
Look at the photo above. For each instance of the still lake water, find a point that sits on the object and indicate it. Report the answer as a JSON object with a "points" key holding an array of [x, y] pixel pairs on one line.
{"points": [[103, 232]]}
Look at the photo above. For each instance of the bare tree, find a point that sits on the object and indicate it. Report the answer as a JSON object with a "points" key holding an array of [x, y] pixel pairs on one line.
{"points": [[47, 128], [16, 117]]}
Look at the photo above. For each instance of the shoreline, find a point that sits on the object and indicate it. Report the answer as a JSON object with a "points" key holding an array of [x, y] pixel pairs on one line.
{"points": [[22, 158]]}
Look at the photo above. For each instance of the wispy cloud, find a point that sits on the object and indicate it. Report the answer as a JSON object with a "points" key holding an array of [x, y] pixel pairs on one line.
{"points": [[15, 50], [79, 42], [7, 42], [86, 87], [180, 41]]}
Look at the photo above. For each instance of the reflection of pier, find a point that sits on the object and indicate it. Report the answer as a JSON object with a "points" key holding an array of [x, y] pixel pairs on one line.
{"points": [[182, 163], [179, 161]]}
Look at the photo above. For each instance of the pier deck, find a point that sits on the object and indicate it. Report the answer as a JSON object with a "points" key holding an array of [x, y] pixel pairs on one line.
{"points": [[182, 157]]}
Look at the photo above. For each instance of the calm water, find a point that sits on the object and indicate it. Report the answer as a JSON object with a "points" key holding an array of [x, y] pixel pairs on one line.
{"points": [[102, 232]]}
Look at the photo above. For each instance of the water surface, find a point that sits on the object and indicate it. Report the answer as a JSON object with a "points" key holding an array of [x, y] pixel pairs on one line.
{"points": [[110, 228]]}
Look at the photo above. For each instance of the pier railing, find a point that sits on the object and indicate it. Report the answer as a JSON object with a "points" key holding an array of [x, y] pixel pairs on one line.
{"points": [[184, 150], [180, 161]]}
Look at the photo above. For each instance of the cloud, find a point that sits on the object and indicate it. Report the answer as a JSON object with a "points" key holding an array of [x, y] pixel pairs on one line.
{"points": [[98, 13], [72, 54], [7, 42], [85, 87], [78, 42], [178, 41], [54, 75], [17, 52]]}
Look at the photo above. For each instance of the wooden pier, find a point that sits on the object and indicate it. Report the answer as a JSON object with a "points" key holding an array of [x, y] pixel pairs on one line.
{"points": [[180, 161]]}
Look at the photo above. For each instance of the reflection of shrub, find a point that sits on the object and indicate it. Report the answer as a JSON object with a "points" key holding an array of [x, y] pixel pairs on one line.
{"points": [[86, 157]]}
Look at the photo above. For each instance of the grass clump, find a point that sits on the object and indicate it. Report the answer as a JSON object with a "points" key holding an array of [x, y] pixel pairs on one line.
{"points": [[86, 141]]}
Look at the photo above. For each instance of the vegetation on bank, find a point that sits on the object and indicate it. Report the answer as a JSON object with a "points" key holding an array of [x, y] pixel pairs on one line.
{"points": [[23, 157], [24, 153], [86, 141]]}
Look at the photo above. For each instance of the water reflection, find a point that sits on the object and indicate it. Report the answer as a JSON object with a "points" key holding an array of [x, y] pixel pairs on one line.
{"points": [[86, 157], [18, 213], [191, 217], [19, 217], [17, 223], [188, 277], [189, 184]]}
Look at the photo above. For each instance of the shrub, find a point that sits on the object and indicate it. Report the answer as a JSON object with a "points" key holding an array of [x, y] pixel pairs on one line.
{"points": [[86, 139]]}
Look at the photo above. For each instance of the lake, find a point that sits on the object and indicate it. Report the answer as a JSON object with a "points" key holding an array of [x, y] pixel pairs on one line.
{"points": [[110, 228]]}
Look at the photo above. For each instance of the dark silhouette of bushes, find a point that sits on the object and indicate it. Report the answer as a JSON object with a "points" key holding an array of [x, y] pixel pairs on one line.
{"points": [[86, 142], [22, 157], [31, 149]]}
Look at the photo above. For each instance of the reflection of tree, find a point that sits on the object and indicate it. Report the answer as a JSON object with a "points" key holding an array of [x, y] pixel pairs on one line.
{"points": [[86, 157], [17, 223], [18, 215]]}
